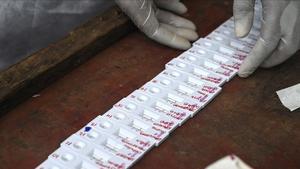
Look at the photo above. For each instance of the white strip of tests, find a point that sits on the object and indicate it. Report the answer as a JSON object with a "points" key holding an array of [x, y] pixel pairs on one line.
{"points": [[225, 49], [183, 94], [171, 98], [72, 159], [145, 118], [159, 120], [188, 85], [223, 60], [197, 71], [105, 154], [140, 126], [89, 148], [130, 150], [209, 65], [122, 133], [49, 164], [160, 106]]}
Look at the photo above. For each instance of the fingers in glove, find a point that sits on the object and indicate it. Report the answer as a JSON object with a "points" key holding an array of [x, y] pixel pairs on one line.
{"points": [[270, 36], [141, 13], [171, 5], [188, 34], [172, 19], [290, 42], [243, 12], [169, 38], [281, 54]]}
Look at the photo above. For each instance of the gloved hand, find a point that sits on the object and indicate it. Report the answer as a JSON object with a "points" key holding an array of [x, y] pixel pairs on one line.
{"points": [[280, 32], [154, 19]]}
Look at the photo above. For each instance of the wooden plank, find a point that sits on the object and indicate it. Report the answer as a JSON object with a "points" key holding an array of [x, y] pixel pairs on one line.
{"points": [[43, 67]]}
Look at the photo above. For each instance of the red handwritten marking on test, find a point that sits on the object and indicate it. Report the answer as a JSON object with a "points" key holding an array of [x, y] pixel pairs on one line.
{"points": [[226, 68], [100, 164], [118, 166], [187, 106], [135, 151], [164, 124], [154, 136], [149, 135], [180, 115], [240, 57], [160, 131], [176, 115], [201, 98], [133, 145], [171, 113], [209, 89], [210, 79], [234, 65], [125, 156], [167, 123]]}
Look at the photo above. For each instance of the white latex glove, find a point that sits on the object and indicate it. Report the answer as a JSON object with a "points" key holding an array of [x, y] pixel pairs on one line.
{"points": [[158, 20], [280, 32]]}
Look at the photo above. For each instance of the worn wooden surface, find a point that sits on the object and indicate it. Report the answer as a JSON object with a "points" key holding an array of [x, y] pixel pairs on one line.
{"points": [[246, 119], [38, 70]]}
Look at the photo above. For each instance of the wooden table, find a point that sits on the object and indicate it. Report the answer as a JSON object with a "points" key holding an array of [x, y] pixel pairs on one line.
{"points": [[246, 119]]}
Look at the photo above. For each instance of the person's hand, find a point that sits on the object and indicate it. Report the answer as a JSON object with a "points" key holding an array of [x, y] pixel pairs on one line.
{"points": [[279, 35], [158, 20]]}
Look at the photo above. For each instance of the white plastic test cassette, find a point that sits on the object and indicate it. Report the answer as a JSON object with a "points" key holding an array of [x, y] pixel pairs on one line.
{"points": [[239, 45], [121, 133], [237, 55], [124, 150], [96, 159], [69, 159], [190, 81], [160, 106], [49, 164], [256, 23], [187, 86], [141, 127], [177, 99], [174, 92], [227, 30], [202, 95], [157, 119], [209, 65], [197, 71], [108, 153], [251, 38], [214, 56]]}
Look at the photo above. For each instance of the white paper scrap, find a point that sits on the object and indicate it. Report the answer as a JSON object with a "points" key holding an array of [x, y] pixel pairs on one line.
{"points": [[290, 97], [229, 162]]}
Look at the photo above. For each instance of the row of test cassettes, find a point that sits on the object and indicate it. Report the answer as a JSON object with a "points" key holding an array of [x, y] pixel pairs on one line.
{"points": [[144, 119]]}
